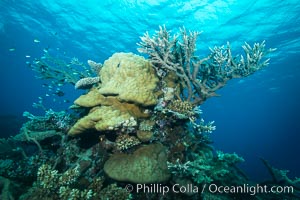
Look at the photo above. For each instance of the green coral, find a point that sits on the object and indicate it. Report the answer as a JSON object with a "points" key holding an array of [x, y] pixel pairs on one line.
{"points": [[206, 169]]}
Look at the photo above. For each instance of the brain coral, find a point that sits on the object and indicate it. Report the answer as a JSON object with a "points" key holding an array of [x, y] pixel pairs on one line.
{"points": [[130, 77]]}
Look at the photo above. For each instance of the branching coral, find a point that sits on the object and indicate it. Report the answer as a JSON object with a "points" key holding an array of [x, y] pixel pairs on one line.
{"points": [[199, 78], [51, 184], [205, 169], [51, 121], [280, 176], [61, 70]]}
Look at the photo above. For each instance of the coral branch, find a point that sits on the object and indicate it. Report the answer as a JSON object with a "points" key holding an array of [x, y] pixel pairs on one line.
{"points": [[61, 71], [199, 78]]}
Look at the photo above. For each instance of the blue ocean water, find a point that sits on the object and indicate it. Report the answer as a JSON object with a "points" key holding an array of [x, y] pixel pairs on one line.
{"points": [[257, 116]]}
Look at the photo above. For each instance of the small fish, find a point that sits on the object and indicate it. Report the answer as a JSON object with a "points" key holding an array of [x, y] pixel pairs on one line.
{"points": [[47, 95], [66, 101], [75, 73], [36, 41], [27, 56], [41, 98], [50, 86], [44, 85], [60, 84], [59, 93], [11, 49]]}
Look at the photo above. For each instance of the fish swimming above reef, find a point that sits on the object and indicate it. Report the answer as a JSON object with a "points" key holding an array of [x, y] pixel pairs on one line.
{"points": [[59, 93]]}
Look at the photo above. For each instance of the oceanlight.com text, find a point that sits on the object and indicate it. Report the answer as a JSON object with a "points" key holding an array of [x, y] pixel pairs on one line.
{"points": [[211, 188]]}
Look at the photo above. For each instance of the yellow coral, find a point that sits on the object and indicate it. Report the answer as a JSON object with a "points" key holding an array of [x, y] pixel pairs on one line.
{"points": [[100, 118], [129, 77], [128, 83]]}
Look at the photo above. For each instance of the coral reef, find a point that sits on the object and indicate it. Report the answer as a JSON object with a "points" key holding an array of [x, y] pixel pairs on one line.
{"points": [[139, 122]]}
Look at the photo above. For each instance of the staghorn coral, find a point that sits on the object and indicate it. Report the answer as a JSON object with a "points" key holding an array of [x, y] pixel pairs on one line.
{"points": [[60, 70], [206, 169], [280, 176], [199, 78]]}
